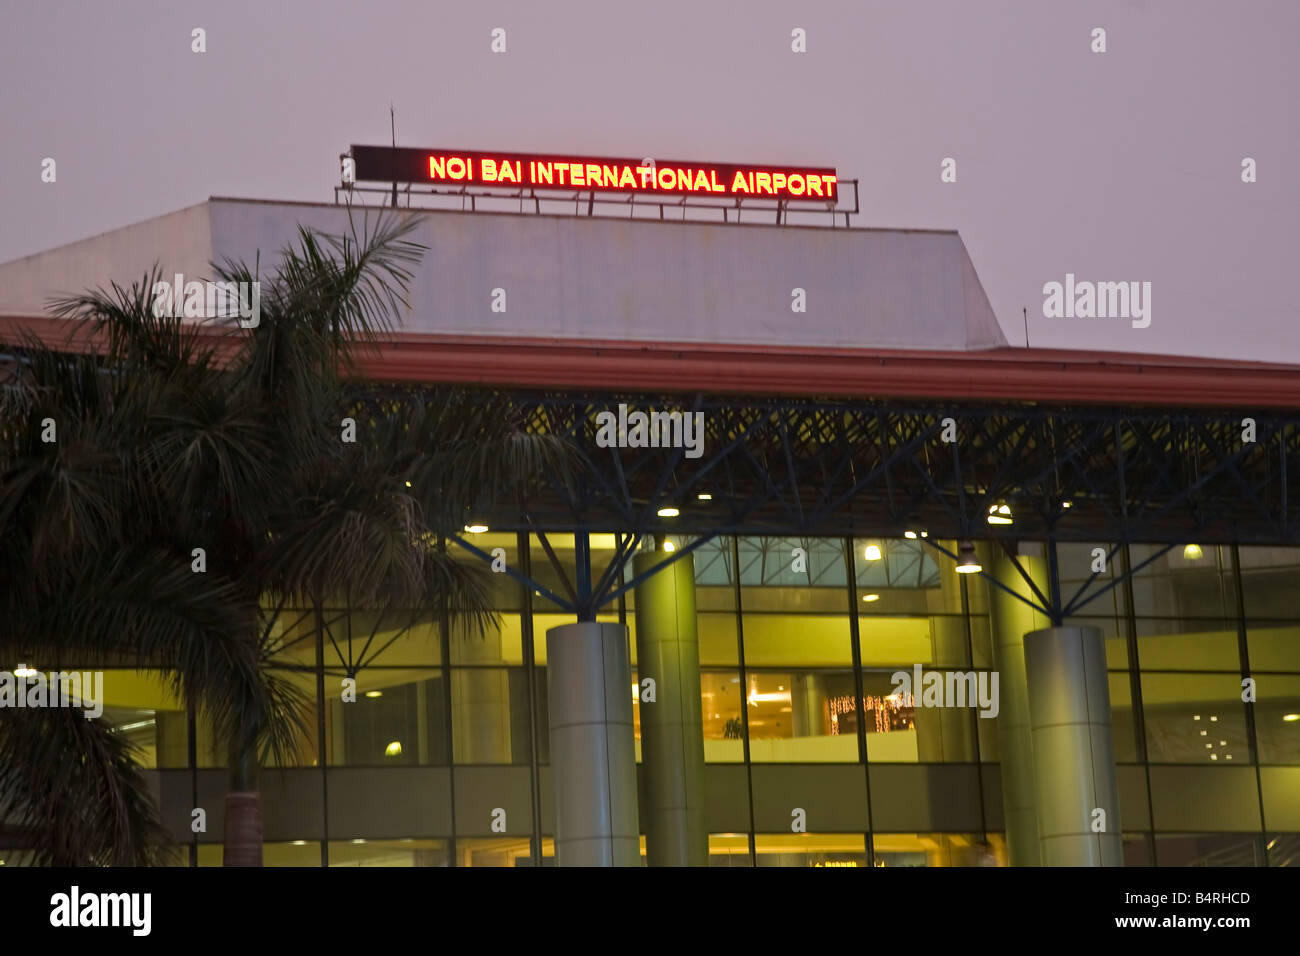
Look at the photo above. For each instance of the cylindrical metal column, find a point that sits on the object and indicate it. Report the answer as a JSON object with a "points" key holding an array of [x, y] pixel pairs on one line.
{"points": [[672, 727], [1074, 763], [593, 749], [1012, 619]]}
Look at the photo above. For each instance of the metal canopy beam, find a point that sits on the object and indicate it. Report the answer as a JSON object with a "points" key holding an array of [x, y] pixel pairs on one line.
{"points": [[808, 468]]}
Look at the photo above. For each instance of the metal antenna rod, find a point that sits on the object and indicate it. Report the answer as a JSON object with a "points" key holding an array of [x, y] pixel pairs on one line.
{"points": [[392, 125]]}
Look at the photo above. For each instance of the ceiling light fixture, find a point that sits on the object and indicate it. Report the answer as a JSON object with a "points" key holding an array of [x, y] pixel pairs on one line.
{"points": [[967, 563], [999, 513]]}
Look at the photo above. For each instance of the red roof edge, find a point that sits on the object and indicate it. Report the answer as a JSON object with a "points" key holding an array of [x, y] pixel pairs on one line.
{"points": [[1001, 374]]}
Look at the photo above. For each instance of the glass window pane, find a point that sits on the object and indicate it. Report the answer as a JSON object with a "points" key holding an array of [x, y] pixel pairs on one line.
{"points": [[1137, 849], [938, 849], [401, 853], [713, 574], [810, 849], [294, 853], [811, 565], [720, 708], [904, 641], [716, 634], [603, 547], [1194, 718], [1187, 644], [902, 729], [368, 638], [901, 577], [722, 705], [1270, 582], [717, 637], [1283, 849], [780, 640], [981, 640], [500, 643], [1273, 646], [796, 716], [144, 709], [398, 718], [1086, 588], [1185, 581], [493, 851], [728, 849], [1208, 849], [1122, 727], [1277, 718], [505, 593], [490, 721]]}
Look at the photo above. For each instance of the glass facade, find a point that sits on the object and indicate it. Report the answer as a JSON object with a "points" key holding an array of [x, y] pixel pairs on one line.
{"points": [[443, 757]]}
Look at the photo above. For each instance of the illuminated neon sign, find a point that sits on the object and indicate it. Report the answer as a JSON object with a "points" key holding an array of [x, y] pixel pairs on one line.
{"points": [[452, 167]]}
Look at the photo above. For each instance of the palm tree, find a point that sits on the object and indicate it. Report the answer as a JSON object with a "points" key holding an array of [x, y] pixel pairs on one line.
{"points": [[168, 445]]}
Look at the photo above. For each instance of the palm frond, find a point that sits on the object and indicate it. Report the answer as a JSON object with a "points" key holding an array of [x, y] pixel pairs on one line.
{"points": [[91, 809]]}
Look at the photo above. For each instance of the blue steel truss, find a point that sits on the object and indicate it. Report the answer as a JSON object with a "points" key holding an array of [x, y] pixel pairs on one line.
{"points": [[835, 468]]}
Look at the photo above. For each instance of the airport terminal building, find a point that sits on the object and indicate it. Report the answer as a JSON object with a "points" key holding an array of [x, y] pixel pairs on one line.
{"points": [[895, 593]]}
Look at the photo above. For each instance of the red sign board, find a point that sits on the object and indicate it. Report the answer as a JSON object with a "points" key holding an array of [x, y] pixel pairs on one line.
{"points": [[454, 167]]}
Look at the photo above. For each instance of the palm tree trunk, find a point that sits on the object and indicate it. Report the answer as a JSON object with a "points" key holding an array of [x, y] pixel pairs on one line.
{"points": [[243, 843]]}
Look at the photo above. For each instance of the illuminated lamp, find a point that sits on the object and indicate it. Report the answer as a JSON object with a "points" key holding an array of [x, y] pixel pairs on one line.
{"points": [[967, 563], [999, 513]]}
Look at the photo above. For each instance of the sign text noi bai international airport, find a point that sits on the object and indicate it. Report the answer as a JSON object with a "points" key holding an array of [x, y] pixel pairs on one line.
{"points": [[535, 171]]}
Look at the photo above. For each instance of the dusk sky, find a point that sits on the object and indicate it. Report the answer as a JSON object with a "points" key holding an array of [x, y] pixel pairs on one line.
{"points": [[1116, 166]]}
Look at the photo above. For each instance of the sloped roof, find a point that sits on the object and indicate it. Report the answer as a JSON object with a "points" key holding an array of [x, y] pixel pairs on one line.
{"points": [[580, 278], [608, 304]]}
